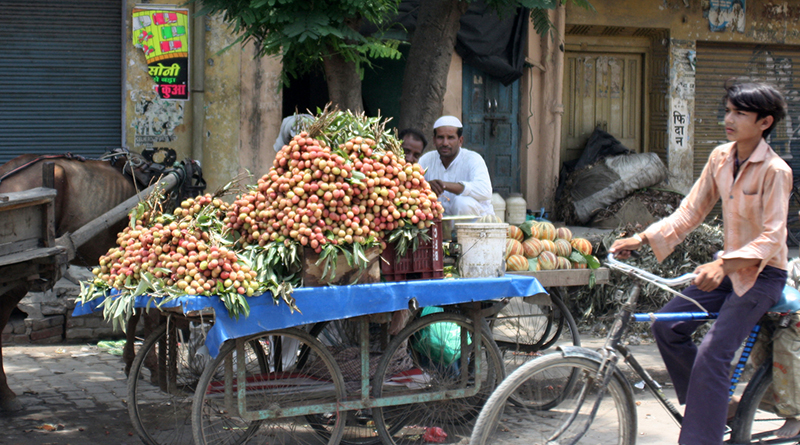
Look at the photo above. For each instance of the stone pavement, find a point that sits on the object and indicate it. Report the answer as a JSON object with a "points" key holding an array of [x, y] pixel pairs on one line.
{"points": [[72, 394], [76, 394]]}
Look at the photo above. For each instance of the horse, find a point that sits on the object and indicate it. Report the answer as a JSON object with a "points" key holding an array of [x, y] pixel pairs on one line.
{"points": [[85, 189]]}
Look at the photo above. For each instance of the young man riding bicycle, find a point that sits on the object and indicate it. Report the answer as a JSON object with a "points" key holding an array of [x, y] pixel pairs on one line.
{"points": [[747, 279]]}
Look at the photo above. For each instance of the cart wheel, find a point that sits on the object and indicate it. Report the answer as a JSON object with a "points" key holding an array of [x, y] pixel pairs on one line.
{"points": [[161, 385], [430, 341], [287, 381], [523, 330], [359, 425]]}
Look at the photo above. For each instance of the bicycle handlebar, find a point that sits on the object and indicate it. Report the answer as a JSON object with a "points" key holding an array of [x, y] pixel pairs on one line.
{"points": [[627, 268]]}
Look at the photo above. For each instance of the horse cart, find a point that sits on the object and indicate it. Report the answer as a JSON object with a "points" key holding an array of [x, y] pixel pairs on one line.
{"points": [[31, 257], [333, 373]]}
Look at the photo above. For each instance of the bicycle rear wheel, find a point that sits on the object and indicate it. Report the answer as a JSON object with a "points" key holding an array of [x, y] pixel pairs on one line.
{"points": [[756, 421], [545, 381]]}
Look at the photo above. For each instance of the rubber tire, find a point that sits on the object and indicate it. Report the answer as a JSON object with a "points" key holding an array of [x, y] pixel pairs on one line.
{"points": [[356, 432], [619, 390], [144, 427], [403, 339], [742, 425], [229, 347], [516, 355]]}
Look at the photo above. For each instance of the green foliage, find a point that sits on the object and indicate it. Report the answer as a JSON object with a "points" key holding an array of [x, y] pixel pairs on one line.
{"points": [[303, 32]]}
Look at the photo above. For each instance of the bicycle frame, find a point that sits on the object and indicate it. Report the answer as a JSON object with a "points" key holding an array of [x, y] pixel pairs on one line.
{"points": [[614, 348]]}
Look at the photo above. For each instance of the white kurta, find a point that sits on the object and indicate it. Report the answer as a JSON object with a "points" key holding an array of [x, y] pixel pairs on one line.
{"points": [[468, 169]]}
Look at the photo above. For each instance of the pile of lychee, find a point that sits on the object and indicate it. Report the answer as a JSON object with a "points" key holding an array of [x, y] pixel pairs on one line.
{"points": [[177, 252], [317, 195]]}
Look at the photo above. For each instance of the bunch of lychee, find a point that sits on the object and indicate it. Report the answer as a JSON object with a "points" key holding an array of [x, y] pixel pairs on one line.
{"points": [[178, 253], [317, 195]]}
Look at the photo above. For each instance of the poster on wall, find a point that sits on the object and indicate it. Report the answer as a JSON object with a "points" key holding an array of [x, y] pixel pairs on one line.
{"points": [[725, 15], [162, 32]]}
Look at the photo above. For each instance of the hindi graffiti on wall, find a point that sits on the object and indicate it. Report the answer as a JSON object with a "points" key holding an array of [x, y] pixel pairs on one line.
{"points": [[162, 32], [678, 123], [724, 15]]}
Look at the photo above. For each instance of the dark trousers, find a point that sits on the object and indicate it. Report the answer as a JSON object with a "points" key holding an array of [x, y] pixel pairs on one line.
{"points": [[701, 375]]}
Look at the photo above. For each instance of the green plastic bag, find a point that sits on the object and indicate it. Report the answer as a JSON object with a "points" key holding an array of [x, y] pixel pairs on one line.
{"points": [[440, 342], [111, 346]]}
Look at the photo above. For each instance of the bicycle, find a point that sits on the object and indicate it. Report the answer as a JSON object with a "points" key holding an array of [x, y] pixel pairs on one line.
{"points": [[793, 220], [579, 395]]}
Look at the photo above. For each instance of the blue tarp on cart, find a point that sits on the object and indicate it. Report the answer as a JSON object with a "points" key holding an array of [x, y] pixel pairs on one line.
{"points": [[338, 302]]}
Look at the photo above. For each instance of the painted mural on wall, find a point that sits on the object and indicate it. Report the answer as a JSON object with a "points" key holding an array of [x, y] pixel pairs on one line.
{"points": [[162, 32], [155, 120], [725, 15]]}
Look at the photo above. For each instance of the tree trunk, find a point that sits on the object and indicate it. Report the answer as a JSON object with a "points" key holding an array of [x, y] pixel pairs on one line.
{"points": [[425, 78], [344, 83]]}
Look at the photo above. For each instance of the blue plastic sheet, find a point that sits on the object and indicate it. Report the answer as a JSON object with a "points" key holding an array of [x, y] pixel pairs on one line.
{"points": [[339, 302]]}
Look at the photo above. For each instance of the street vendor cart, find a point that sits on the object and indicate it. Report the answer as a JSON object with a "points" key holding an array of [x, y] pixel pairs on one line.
{"points": [[426, 381]]}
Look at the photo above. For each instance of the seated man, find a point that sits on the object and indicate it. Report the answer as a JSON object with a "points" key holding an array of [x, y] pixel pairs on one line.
{"points": [[457, 175], [414, 144]]}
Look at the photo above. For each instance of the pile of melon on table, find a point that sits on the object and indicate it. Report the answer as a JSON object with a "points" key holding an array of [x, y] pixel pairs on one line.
{"points": [[538, 245]]}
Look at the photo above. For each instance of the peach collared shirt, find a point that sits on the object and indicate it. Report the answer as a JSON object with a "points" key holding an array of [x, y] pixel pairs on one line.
{"points": [[754, 209]]}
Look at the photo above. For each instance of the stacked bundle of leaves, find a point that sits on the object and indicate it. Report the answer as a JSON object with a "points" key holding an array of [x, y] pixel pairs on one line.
{"points": [[596, 306]]}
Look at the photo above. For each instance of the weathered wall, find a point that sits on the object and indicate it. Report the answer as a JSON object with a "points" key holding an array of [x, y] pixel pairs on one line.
{"points": [[541, 109], [235, 100], [688, 22], [765, 21], [681, 106], [150, 121], [453, 95]]}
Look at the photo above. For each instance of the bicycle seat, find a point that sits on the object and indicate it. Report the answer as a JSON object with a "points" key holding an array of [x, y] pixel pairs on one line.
{"points": [[789, 302]]}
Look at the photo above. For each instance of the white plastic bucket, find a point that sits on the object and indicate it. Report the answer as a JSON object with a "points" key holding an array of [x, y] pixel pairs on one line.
{"points": [[483, 247]]}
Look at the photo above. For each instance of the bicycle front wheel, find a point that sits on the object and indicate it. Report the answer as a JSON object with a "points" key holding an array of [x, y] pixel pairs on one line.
{"points": [[570, 382], [756, 421]]}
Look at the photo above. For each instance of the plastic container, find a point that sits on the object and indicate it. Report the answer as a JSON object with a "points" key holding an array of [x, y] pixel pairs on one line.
{"points": [[516, 209], [499, 205], [424, 263], [483, 248]]}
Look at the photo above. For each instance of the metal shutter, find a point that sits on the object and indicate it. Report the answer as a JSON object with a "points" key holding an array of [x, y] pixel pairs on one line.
{"points": [[60, 77], [764, 63]]}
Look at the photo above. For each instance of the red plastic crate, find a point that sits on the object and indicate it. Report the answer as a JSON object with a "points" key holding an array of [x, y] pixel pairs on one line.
{"points": [[424, 263]]}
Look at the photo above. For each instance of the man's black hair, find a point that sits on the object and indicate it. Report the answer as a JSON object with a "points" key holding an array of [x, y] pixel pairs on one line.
{"points": [[413, 132], [459, 131], [760, 98]]}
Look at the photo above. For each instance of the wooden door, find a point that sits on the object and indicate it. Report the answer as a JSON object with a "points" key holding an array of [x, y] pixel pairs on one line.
{"points": [[605, 90], [491, 127]]}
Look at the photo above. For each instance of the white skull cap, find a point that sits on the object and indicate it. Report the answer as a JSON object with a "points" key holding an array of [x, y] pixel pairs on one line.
{"points": [[447, 121]]}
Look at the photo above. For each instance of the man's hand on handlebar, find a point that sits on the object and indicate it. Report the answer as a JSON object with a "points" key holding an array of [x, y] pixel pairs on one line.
{"points": [[622, 248]]}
